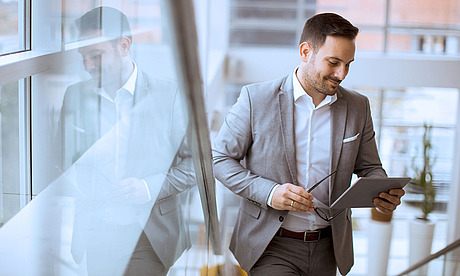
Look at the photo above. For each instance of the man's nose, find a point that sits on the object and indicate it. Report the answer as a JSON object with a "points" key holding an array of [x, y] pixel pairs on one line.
{"points": [[89, 65], [341, 72]]}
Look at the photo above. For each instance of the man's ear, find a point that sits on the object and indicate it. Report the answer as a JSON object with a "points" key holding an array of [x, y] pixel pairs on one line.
{"points": [[124, 46], [305, 51]]}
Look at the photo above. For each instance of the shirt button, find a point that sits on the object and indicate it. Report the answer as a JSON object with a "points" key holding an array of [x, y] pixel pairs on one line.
{"points": [[281, 218]]}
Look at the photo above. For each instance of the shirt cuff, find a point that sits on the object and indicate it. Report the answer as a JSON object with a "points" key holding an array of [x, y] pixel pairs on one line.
{"points": [[148, 190], [269, 201]]}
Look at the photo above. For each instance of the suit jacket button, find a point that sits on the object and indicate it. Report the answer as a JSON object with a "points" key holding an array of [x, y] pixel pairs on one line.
{"points": [[281, 218]]}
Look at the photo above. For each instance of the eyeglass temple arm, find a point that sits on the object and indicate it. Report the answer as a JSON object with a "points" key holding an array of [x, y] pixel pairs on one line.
{"points": [[319, 182]]}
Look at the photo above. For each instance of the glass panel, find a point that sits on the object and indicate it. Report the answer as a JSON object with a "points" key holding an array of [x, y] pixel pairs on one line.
{"points": [[359, 13], [452, 263], [419, 105], [267, 13], [368, 40], [401, 42], [262, 2], [112, 172], [145, 20], [262, 37], [419, 26], [416, 41], [404, 114], [434, 267], [11, 193], [424, 13], [11, 26]]}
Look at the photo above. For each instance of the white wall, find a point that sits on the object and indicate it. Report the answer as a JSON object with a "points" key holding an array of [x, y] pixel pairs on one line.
{"points": [[248, 65]]}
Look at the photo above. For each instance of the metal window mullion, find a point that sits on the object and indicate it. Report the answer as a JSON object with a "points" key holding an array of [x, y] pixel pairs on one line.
{"points": [[299, 18], [380, 125], [185, 45], [27, 25], [25, 185], [386, 28]]}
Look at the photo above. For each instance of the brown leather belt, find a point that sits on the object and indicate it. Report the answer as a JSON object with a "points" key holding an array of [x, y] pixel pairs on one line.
{"points": [[307, 236]]}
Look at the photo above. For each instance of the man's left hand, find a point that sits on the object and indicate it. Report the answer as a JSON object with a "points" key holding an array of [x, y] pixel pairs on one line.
{"points": [[387, 202]]}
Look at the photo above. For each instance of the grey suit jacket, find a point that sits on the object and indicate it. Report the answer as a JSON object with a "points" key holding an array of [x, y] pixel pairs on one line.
{"points": [[157, 151], [259, 130]]}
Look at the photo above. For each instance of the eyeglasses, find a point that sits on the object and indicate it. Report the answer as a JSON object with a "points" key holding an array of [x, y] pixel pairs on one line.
{"points": [[321, 213]]}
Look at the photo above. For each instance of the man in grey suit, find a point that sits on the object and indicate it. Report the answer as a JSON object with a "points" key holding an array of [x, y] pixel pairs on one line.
{"points": [[284, 136], [123, 135]]}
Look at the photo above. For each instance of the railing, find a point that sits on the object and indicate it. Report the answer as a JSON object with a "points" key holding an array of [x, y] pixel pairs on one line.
{"points": [[433, 256]]}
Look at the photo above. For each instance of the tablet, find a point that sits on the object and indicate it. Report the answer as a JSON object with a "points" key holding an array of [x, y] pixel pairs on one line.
{"points": [[362, 192]]}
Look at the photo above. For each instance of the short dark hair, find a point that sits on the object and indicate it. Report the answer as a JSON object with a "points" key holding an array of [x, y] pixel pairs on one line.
{"points": [[318, 27], [108, 21]]}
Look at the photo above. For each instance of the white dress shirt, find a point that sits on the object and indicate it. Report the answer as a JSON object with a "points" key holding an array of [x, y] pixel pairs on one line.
{"points": [[312, 144], [115, 112], [110, 103]]}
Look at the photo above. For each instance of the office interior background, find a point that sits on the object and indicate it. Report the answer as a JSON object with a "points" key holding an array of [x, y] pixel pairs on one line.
{"points": [[407, 63]]}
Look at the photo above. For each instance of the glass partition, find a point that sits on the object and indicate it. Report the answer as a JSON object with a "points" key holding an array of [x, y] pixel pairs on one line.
{"points": [[11, 193], [405, 26], [12, 26], [115, 141]]}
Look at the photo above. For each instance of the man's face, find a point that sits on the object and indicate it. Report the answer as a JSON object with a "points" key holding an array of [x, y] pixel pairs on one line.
{"points": [[329, 65], [103, 62]]}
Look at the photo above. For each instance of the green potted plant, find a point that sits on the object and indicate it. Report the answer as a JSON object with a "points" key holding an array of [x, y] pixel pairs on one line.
{"points": [[422, 228], [423, 175]]}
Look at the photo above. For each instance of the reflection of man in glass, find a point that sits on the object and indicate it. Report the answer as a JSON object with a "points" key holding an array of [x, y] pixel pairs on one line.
{"points": [[123, 136]]}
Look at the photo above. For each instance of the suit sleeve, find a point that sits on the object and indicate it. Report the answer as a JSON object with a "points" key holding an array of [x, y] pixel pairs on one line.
{"points": [[180, 176], [231, 145], [368, 161]]}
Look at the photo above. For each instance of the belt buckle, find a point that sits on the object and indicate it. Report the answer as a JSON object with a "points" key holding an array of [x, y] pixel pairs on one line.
{"points": [[311, 232]]}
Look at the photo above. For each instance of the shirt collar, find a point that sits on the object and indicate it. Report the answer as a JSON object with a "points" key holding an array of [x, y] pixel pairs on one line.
{"points": [[130, 84], [299, 91]]}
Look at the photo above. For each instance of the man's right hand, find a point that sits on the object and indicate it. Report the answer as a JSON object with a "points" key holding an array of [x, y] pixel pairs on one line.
{"points": [[293, 198]]}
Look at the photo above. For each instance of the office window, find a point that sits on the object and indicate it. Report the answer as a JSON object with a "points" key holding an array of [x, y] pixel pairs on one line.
{"points": [[399, 117], [427, 28], [146, 19], [269, 23], [423, 13], [12, 23], [97, 141], [10, 191], [280, 23], [408, 26]]}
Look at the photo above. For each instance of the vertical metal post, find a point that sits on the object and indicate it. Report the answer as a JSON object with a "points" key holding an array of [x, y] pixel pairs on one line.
{"points": [[185, 44], [386, 27]]}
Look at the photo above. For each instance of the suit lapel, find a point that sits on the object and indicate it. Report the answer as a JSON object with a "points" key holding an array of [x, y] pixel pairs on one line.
{"points": [[338, 122], [286, 108]]}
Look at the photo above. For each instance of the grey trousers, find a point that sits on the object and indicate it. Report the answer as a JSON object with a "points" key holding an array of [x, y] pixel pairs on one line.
{"points": [[288, 256], [144, 260]]}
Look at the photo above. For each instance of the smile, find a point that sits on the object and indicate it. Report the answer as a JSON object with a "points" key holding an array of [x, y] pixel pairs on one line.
{"points": [[334, 83]]}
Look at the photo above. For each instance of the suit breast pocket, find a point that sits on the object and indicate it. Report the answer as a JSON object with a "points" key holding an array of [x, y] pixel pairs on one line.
{"points": [[351, 138], [351, 142]]}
